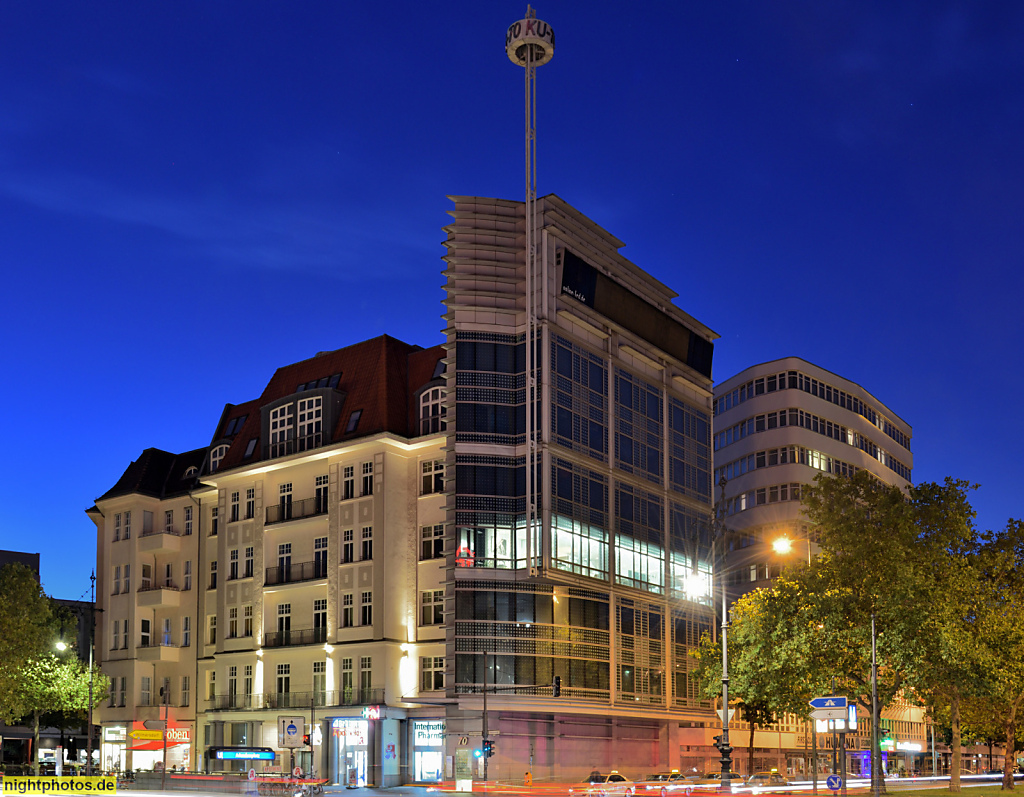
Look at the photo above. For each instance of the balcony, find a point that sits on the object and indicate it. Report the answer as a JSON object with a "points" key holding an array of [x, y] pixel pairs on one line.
{"points": [[297, 700], [296, 510], [306, 636], [160, 541], [293, 574], [166, 594], [156, 650], [298, 444]]}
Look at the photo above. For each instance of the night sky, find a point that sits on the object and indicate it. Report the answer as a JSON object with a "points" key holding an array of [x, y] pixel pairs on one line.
{"points": [[195, 193]]}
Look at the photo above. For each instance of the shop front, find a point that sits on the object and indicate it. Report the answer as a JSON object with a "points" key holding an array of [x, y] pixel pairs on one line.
{"points": [[147, 748], [113, 748], [427, 750], [350, 752]]}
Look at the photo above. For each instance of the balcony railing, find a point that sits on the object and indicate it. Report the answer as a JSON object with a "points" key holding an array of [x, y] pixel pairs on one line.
{"points": [[295, 510], [156, 643], [272, 700], [306, 636], [165, 585], [154, 532], [286, 447], [292, 574]]}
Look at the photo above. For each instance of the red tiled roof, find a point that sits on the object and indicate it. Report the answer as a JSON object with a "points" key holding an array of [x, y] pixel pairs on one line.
{"points": [[378, 376]]}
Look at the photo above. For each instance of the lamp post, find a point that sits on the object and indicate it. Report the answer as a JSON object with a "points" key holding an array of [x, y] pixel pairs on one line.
{"points": [[722, 742], [92, 627]]}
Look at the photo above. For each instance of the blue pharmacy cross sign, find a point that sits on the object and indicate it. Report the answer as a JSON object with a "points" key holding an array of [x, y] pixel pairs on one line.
{"points": [[834, 782], [828, 702]]}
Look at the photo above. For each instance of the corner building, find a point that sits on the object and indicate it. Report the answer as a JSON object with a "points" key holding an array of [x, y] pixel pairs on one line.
{"points": [[572, 568], [777, 426], [353, 545]]}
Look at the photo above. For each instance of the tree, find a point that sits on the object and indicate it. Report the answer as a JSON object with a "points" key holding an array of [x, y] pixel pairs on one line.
{"points": [[58, 686], [26, 632]]}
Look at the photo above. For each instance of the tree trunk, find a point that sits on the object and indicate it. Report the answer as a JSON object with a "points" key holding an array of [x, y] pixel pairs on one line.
{"points": [[1010, 755], [954, 770], [750, 755], [35, 743]]}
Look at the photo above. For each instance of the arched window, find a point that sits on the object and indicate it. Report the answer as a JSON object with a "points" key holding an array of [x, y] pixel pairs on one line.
{"points": [[432, 411], [216, 455], [190, 472]]}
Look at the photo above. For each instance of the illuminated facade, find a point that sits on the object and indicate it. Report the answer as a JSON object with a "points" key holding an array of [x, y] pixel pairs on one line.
{"points": [[352, 543]]}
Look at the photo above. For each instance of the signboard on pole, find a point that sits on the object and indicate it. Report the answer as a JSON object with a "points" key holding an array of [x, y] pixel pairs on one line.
{"points": [[828, 714], [290, 731], [829, 701]]}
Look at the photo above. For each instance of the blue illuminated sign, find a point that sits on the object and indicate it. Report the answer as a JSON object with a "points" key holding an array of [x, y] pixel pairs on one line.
{"points": [[246, 753]]}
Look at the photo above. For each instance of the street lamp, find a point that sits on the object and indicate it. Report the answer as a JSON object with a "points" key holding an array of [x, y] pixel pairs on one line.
{"points": [[722, 742], [784, 546]]}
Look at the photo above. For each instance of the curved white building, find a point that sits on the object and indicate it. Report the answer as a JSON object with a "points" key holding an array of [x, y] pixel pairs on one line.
{"points": [[777, 426]]}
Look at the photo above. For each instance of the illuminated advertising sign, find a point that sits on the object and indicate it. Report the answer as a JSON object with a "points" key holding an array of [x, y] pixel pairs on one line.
{"points": [[353, 733], [245, 753], [371, 713], [429, 733]]}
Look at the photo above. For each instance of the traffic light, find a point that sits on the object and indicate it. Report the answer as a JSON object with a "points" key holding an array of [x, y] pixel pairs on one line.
{"points": [[488, 748], [556, 687], [305, 739]]}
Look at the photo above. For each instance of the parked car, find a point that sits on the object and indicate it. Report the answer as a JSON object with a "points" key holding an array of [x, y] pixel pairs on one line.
{"points": [[598, 785]]}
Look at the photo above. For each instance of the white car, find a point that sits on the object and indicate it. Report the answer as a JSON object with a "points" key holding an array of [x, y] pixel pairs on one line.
{"points": [[664, 783], [598, 785]]}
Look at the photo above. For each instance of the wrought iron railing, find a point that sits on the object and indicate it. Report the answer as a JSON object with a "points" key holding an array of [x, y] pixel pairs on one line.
{"points": [[296, 510], [293, 573], [272, 700], [305, 636]]}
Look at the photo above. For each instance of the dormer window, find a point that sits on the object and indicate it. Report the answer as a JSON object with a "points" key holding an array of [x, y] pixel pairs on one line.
{"points": [[282, 430], [216, 455], [432, 411], [235, 425], [190, 472]]}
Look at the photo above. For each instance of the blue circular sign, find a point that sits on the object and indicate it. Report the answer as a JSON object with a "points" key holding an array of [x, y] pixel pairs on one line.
{"points": [[834, 782]]}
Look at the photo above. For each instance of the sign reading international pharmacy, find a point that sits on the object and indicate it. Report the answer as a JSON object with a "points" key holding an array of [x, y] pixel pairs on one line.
{"points": [[428, 733]]}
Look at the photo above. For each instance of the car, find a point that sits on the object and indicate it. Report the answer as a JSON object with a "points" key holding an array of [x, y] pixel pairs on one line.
{"points": [[609, 785], [767, 781], [664, 782]]}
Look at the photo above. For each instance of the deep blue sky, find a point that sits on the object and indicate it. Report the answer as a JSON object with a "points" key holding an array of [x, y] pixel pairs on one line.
{"points": [[194, 193]]}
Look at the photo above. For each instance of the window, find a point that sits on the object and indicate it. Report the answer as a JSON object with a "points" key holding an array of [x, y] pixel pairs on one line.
{"points": [[232, 564], [117, 527], [365, 674], [127, 578], [348, 483], [284, 679], [145, 690], [353, 421], [117, 580], [213, 574], [216, 455], [211, 624], [310, 422], [235, 498], [346, 680], [250, 503], [321, 495], [367, 552], [247, 684], [431, 673], [185, 690], [247, 573], [169, 575], [432, 607], [232, 685], [122, 691], [284, 622], [147, 577], [432, 411], [232, 622], [432, 477], [211, 684], [367, 478], [115, 636], [186, 631], [320, 682], [146, 634], [281, 430], [320, 557], [213, 521], [285, 501], [347, 546], [188, 576], [367, 609], [169, 521], [432, 541], [347, 611], [250, 447], [188, 521], [127, 530], [320, 619], [247, 621], [113, 693], [165, 636]]}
